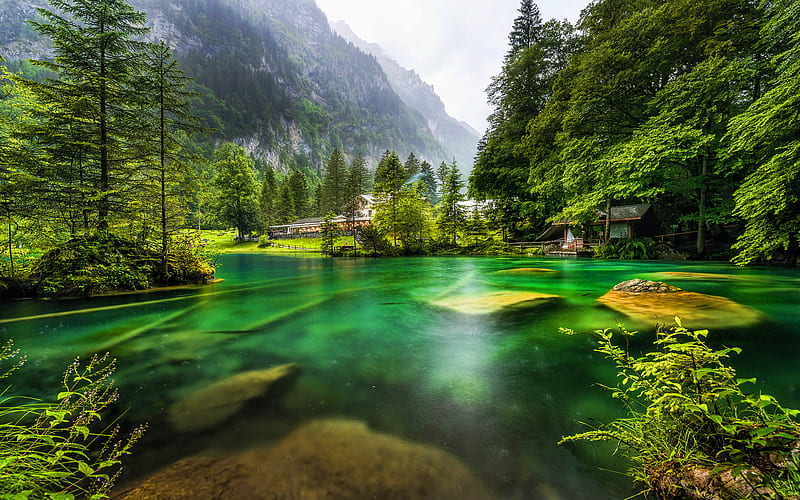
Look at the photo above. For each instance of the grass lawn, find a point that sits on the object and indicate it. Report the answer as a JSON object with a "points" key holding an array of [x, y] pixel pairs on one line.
{"points": [[222, 241]]}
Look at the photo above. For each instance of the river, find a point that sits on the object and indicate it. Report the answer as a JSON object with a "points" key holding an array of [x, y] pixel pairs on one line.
{"points": [[496, 391]]}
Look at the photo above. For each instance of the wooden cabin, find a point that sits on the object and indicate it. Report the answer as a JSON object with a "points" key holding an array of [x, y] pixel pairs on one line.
{"points": [[627, 221]]}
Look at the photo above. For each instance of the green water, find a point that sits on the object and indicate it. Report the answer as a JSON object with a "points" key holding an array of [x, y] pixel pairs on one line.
{"points": [[496, 391]]}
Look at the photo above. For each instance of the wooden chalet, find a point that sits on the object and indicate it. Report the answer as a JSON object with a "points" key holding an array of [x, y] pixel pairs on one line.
{"points": [[312, 227], [627, 221]]}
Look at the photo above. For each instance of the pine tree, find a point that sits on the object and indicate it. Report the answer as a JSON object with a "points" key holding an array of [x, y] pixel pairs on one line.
{"points": [[428, 180], [298, 184], [171, 115], [525, 31], [451, 215], [334, 180], [92, 125], [267, 200], [390, 178], [412, 166]]}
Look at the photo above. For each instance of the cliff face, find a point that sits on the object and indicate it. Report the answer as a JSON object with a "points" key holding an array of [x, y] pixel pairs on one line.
{"points": [[458, 138], [273, 77]]}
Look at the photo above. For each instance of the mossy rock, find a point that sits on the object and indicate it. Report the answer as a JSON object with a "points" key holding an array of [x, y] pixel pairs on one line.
{"points": [[335, 459], [102, 262], [212, 405], [527, 270], [494, 302], [648, 302]]}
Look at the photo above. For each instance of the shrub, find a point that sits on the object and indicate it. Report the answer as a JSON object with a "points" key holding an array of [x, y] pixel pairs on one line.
{"points": [[103, 262], [689, 418], [50, 450], [626, 249]]}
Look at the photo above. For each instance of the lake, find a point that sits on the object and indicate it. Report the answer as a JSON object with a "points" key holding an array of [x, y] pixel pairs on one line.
{"points": [[496, 391]]}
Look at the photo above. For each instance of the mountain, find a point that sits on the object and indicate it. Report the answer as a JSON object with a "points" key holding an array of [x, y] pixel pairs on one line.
{"points": [[458, 138], [274, 77]]}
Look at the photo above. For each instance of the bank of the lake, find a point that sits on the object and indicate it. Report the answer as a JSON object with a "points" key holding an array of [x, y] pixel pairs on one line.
{"points": [[377, 341]]}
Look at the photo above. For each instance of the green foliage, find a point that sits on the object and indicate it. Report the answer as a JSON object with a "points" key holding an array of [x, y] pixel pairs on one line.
{"points": [[688, 410], [54, 450], [767, 135], [103, 262], [626, 249], [329, 231], [235, 181]]}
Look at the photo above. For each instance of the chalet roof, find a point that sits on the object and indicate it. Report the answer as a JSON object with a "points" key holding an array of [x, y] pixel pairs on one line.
{"points": [[627, 212]]}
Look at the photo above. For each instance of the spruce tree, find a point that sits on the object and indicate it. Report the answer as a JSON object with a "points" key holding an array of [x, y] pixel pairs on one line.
{"points": [[390, 178], [334, 178], [92, 126], [412, 166], [267, 200], [170, 115]]}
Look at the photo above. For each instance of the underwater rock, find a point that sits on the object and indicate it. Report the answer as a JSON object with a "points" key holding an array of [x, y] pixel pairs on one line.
{"points": [[341, 459], [527, 270], [493, 302], [699, 276], [651, 301], [212, 405]]}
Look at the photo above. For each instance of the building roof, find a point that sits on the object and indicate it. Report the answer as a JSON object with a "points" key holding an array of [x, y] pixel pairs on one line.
{"points": [[627, 212]]}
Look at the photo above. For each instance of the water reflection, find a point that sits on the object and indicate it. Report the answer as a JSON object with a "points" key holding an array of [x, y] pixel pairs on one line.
{"points": [[496, 390]]}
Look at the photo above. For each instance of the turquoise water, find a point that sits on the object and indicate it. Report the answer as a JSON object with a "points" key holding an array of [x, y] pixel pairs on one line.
{"points": [[497, 391]]}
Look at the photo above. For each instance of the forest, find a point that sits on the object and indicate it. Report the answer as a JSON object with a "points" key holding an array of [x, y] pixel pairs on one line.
{"points": [[690, 105]]}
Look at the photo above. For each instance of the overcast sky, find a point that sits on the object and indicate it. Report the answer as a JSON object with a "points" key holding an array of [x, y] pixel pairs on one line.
{"points": [[455, 45]]}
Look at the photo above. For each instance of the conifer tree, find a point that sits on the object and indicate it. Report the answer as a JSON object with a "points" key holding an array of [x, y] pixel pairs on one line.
{"points": [[267, 200], [334, 178], [451, 215], [412, 166], [298, 184], [428, 180], [92, 124], [390, 178], [171, 116]]}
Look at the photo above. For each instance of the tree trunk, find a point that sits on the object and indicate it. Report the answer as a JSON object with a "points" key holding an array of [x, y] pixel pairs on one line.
{"points": [[607, 228], [701, 208], [103, 209], [163, 158], [10, 247]]}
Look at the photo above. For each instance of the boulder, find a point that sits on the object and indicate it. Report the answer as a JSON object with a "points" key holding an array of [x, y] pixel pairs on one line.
{"points": [[324, 459], [212, 405], [494, 302], [652, 301]]}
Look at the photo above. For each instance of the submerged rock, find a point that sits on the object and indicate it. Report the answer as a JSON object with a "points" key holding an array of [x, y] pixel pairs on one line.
{"points": [[212, 405], [527, 270], [334, 459], [699, 276], [494, 302], [653, 301]]}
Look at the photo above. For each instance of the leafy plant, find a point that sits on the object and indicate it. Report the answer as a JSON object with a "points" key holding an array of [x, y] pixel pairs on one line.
{"points": [[626, 249], [50, 450], [691, 426]]}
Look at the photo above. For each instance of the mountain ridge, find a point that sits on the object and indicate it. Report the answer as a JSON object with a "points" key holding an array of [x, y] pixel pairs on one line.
{"points": [[460, 139], [274, 77]]}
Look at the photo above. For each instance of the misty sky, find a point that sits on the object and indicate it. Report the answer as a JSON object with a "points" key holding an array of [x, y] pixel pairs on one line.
{"points": [[455, 45]]}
